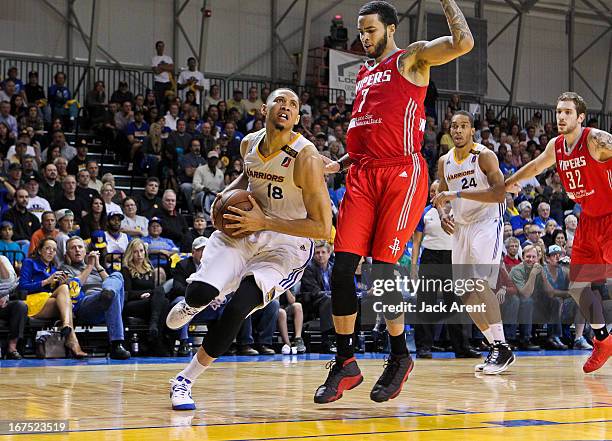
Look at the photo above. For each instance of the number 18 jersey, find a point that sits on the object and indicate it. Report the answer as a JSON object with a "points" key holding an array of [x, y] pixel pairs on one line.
{"points": [[467, 175], [271, 177]]}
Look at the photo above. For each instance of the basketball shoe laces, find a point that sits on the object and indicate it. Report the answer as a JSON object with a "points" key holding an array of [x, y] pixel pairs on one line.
{"points": [[334, 369], [188, 311], [493, 355], [181, 388], [390, 368]]}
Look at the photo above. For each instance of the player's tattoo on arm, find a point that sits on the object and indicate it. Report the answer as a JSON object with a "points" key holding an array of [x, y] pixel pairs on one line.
{"points": [[456, 22], [602, 140], [411, 51]]}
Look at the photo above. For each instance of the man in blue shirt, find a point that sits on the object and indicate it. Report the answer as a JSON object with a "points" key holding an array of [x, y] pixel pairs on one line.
{"points": [[519, 222], [58, 95], [137, 130], [160, 248], [543, 215]]}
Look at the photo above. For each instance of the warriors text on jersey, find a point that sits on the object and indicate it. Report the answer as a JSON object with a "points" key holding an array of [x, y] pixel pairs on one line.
{"points": [[586, 180], [271, 178], [467, 175], [388, 118]]}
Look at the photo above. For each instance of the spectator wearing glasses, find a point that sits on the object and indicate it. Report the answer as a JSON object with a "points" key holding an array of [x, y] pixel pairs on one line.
{"points": [[47, 291]]}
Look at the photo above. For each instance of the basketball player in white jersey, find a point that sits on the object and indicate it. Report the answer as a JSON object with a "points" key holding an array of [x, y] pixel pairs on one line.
{"points": [[477, 196], [291, 207]]}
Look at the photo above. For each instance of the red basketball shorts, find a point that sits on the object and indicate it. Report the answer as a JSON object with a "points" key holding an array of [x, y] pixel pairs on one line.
{"points": [[591, 258], [383, 203]]}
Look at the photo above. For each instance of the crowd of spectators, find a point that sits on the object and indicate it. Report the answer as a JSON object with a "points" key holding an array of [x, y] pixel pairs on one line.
{"points": [[132, 253]]}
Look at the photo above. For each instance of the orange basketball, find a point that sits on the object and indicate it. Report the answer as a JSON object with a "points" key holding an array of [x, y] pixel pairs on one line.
{"points": [[233, 198]]}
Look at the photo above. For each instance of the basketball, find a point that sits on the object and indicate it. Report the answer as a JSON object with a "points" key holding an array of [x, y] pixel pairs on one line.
{"points": [[233, 198]]}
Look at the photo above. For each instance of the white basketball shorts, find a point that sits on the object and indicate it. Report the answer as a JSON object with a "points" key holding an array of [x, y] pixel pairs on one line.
{"points": [[477, 250], [276, 261]]}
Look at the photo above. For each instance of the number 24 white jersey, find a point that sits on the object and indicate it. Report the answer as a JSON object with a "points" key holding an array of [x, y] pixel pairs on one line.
{"points": [[467, 175]]}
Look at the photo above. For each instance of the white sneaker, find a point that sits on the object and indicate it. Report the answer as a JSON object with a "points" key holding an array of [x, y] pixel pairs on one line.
{"points": [[293, 350], [180, 394], [480, 367], [501, 358], [286, 350], [582, 344], [181, 314]]}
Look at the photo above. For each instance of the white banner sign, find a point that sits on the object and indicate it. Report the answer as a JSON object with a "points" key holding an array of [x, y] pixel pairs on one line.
{"points": [[343, 70]]}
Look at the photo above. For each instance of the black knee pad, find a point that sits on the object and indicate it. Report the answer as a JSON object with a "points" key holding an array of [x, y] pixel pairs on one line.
{"points": [[200, 294], [245, 299], [344, 299]]}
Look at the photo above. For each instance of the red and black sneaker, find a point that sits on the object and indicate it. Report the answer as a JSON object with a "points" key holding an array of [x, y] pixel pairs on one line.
{"points": [[602, 350], [341, 377], [389, 385]]}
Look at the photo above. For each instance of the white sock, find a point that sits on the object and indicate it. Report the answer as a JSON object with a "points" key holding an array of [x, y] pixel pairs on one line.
{"points": [[497, 329], [193, 370], [488, 335]]}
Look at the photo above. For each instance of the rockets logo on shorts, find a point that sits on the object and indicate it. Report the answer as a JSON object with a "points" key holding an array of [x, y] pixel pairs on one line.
{"points": [[395, 246]]}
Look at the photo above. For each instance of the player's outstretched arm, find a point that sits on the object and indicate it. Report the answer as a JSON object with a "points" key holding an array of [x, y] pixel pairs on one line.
{"points": [[422, 54], [332, 166], [600, 144], [487, 161], [533, 168]]}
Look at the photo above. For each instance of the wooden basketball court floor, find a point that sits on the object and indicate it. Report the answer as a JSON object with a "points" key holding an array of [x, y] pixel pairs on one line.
{"points": [[239, 398]]}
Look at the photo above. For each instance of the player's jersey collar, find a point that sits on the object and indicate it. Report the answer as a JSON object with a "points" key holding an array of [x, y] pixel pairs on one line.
{"points": [[368, 63]]}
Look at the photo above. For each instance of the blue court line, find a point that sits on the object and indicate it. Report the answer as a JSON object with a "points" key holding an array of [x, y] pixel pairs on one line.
{"points": [[522, 423], [409, 414], [100, 361]]}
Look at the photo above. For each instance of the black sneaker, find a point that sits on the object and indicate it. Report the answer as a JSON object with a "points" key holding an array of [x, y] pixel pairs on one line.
{"points": [[264, 350], [389, 385], [246, 350], [500, 359], [118, 352], [184, 350], [468, 353], [424, 353], [13, 355], [341, 377], [298, 342]]}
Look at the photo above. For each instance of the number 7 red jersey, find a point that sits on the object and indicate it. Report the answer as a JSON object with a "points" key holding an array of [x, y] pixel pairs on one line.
{"points": [[586, 180], [388, 118]]}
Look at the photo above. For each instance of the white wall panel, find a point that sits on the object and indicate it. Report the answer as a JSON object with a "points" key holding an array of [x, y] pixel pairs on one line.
{"points": [[240, 29]]}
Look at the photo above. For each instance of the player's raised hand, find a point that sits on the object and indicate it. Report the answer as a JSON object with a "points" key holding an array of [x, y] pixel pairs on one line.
{"points": [[443, 197], [330, 166], [246, 221]]}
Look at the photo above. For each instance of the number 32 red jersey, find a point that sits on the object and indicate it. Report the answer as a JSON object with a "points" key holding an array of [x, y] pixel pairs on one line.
{"points": [[586, 180], [388, 118]]}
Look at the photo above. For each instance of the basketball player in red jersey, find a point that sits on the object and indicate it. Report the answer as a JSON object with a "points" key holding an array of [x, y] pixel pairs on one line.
{"points": [[387, 183], [584, 163]]}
